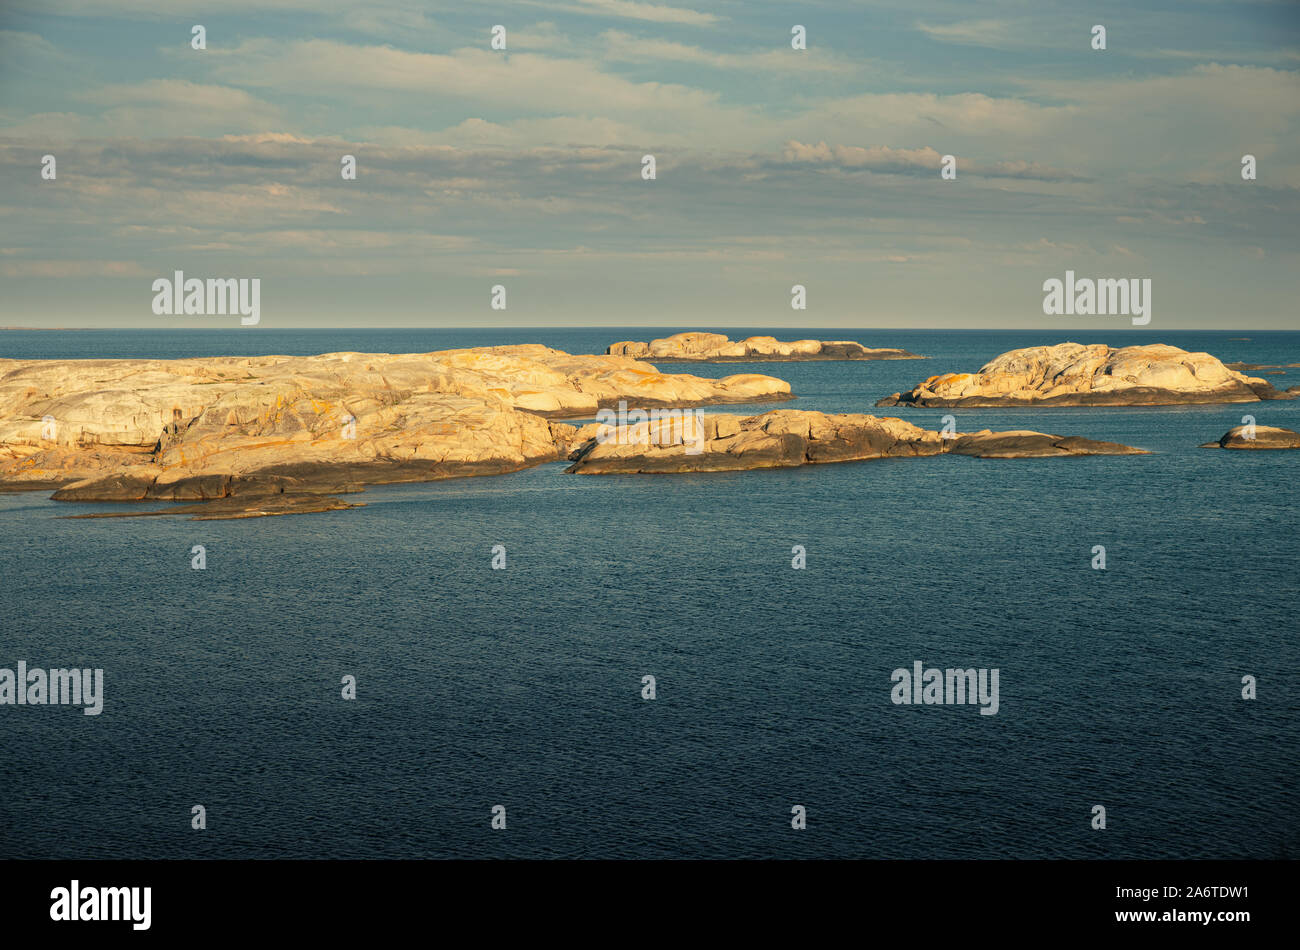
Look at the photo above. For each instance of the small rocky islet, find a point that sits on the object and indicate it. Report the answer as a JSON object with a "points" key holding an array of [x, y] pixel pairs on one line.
{"points": [[699, 347], [1074, 374], [241, 437], [1256, 437], [786, 438]]}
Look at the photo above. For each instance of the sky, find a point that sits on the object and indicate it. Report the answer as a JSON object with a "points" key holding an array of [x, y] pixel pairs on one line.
{"points": [[775, 166]]}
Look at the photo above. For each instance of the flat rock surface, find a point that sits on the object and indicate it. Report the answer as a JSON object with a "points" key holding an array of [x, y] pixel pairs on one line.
{"points": [[1025, 444], [200, 429], [698, 347], [1074, 374], [227, 509], [786, 438], [1262, 437]]}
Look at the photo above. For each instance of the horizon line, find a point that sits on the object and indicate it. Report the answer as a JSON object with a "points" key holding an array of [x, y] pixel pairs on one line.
{"points": [[600, 326]]}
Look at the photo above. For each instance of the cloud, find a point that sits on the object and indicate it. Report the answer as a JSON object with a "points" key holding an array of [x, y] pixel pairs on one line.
{"points": [[620, 46], [377, 20], [876, 158], [927, 160], [64, 269], [15, 43], [592, 131], [376, 13], [151, 9], [996, 34], [173, 92], [509, 97], [1239, 56], [1193, 125], [152, 107], [475, 162], [45, 127], [653, 12], [520, 81]]}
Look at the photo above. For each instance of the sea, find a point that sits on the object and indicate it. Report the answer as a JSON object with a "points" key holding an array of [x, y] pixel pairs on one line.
{"points": [[525, 687]]}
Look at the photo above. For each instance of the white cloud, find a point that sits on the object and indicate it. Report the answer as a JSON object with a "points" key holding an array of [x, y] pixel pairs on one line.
{"points": [[66, 269], [626, 47], [991, 33], [653, 12], [521, 81], [156, 107]]}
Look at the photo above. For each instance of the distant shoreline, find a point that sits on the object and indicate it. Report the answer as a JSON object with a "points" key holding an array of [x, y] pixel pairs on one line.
{"points": [[656, 327]]}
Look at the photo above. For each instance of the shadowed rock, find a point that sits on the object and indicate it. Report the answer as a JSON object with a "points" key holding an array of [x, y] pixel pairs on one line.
{"points": [[787, 438], [1072, 374], [228, 509], [696, 347], [1024, 444]]}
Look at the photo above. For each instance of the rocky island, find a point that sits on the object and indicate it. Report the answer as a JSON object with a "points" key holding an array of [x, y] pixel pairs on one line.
{"points": [[721, 442], [250, 427], [1072, 374], [696, 347], [1256, 437]]}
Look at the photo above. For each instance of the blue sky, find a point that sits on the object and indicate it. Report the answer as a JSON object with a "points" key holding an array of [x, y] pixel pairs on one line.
{"points": [[775, 166]]}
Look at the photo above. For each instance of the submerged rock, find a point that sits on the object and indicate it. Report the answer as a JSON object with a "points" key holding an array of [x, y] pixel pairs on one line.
{"points": [[228, 509], [698, 347], [787, 438], [1072, 374]]}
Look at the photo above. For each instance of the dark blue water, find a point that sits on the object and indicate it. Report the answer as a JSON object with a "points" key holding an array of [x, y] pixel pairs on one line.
{"points": [[522, 687]]}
